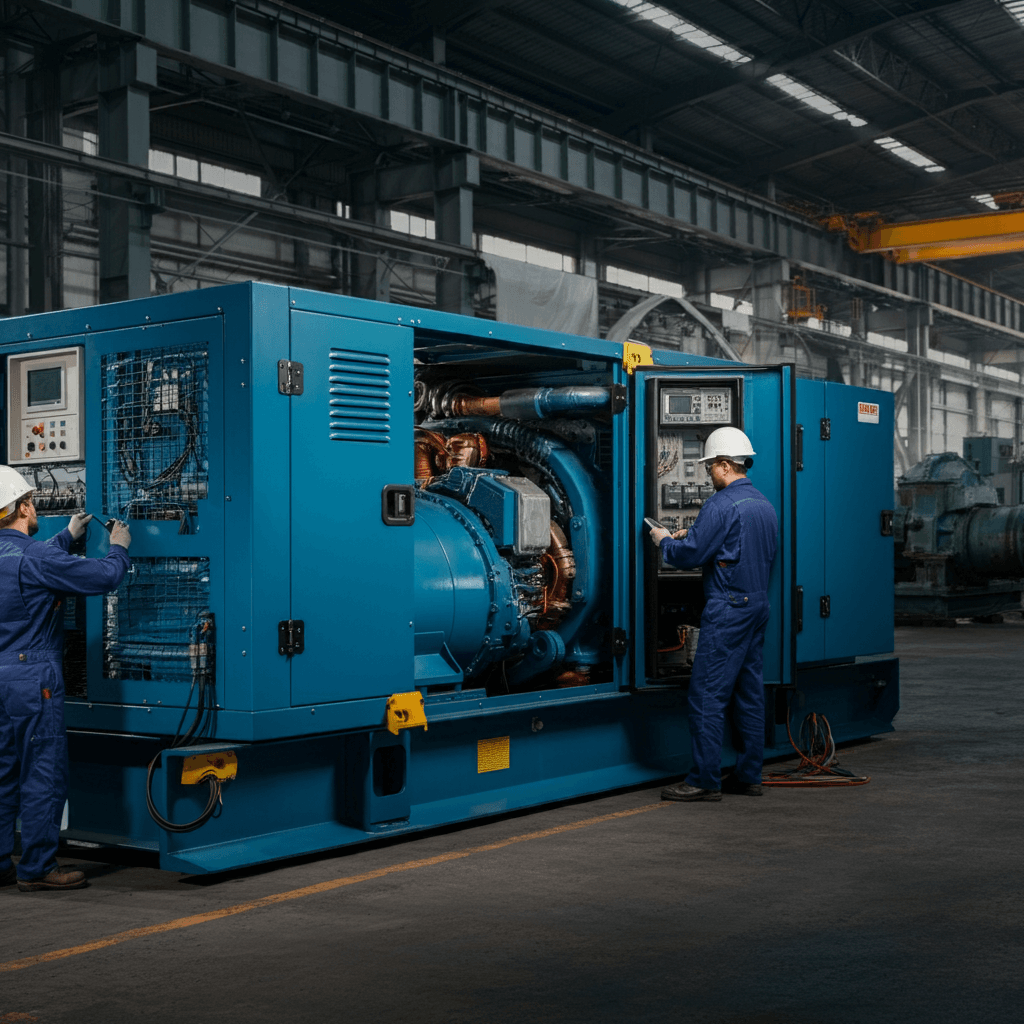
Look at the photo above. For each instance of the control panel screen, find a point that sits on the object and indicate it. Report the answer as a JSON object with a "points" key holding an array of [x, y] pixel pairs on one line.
{"points": [[681, 405], [44, 407], [45, 387]]}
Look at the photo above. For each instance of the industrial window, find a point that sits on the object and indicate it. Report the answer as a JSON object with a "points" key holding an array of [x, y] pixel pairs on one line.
{"points": [[155, 409]]}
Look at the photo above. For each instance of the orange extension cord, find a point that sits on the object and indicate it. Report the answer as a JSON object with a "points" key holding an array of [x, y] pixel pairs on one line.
{"points": [[818, 765]]}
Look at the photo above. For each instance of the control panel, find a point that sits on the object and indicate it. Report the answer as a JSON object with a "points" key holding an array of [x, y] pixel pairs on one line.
{"points": [[686, 416], [44, 403]]}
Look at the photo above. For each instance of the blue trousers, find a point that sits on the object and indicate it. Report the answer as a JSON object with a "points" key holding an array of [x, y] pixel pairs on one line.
{"points": [[728, 676], [33, 760]]}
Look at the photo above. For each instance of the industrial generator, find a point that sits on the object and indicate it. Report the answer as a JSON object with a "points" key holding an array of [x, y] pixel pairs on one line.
{"points": [[388, 568]]}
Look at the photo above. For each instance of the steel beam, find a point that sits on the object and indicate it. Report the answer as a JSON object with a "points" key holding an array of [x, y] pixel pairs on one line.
{"points": [[276, 49]]}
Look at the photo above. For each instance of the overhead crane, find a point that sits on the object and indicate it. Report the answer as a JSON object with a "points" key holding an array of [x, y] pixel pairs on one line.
{"points": [[944, 238]]}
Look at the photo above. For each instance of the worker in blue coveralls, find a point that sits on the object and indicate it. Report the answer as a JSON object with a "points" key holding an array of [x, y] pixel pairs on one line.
{"points": [[734, 540], [34, 578]]}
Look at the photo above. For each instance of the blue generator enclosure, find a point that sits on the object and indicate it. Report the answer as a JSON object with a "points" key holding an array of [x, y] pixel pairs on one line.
{"points": [[389, 569]]}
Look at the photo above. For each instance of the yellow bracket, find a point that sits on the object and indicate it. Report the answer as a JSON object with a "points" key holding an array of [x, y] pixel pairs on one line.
{"points": [[223, 765], [634, 354], [405, 711]]}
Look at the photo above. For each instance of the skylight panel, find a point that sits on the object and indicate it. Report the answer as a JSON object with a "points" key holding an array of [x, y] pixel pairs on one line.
{"points": [[986, 198], [1015, 8], [911, 156], [815, 100], [684, 30]]}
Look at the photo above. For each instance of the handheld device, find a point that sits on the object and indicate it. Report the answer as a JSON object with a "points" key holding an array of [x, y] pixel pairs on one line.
{"points": [[108, 525], [652, 524]]}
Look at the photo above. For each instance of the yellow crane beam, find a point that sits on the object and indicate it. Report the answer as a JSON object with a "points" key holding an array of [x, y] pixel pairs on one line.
{"points": [[944, 238]]}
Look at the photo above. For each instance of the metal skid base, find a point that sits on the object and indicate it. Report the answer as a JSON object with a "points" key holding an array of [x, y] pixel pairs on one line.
{"points": [[915, 603], [316, 793]]}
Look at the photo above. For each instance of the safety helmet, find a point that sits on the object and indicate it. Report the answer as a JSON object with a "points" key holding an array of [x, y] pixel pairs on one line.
{"points": [[728, 443], [13, 487]]}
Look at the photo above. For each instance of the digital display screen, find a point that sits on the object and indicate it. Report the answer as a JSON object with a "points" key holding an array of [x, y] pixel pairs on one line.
{"points": [[44, 386], [679, 405]]}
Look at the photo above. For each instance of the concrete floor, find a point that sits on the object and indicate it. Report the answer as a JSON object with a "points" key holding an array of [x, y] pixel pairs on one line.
{"points": [[896, 901]]}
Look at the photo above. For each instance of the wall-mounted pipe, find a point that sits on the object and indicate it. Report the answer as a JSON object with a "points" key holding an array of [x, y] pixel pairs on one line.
{"points": [[521, 403]]}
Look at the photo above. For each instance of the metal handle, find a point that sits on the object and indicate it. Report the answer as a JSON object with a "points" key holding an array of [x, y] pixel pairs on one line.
{"points": [[397, 505]]}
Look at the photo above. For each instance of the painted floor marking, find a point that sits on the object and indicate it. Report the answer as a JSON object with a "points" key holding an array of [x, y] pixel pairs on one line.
{"points": [[310, 890]]}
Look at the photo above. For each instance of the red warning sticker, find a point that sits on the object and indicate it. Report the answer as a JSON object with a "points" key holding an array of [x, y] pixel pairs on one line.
{"points": [[867, 412]]}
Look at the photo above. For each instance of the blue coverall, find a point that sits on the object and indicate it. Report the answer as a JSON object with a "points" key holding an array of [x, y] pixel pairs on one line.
{"points": [[34, 577], [734, 539]]}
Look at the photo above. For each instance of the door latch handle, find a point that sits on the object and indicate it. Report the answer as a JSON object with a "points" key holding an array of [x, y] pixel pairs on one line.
{"points": [[397, 505]]}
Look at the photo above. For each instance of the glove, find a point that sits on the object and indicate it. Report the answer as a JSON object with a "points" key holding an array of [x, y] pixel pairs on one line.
{"points": [[78, 523], [119, 535]]}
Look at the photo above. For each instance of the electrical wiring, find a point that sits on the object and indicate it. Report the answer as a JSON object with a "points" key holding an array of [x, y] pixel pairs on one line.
{"points": [[819, 765]]}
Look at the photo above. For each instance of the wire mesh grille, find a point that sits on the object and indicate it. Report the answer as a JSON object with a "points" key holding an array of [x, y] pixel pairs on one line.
{"points": [[75, 678], [154, 433], [149, 620]]}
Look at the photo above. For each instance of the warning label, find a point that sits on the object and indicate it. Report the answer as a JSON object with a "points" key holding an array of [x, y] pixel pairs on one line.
{"points": [[867, 412]]}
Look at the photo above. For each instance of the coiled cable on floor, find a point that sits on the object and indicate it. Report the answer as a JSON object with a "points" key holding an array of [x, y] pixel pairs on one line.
{"points": [[202, 658], [818, 765]]}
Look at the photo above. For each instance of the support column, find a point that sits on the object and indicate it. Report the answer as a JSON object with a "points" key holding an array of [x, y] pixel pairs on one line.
{"points": [[126, 76], [45, 218], [17, 186], [769, 281], [919, 399], [453, 222]]}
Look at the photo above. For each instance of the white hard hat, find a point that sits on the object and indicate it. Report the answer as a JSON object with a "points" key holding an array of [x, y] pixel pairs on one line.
{"points": [[728, 443], [13, 487]]}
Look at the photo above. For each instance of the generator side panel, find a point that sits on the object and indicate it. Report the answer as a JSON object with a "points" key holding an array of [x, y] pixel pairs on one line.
{"points": [[811, 521]]}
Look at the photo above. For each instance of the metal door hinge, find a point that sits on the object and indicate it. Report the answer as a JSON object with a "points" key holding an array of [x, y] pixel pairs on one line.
{"points": [[289, 377], [885, 523], [291, 637], [798, 608], [620, 641], [620, 398], [799, 447], [826, 429], [826, 606]]}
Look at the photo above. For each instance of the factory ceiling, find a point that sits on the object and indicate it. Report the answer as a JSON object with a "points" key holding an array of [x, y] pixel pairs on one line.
{"points": [[912, 108]]}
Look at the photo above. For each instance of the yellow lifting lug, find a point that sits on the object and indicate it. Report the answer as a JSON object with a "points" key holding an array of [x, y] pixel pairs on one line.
{"points": [[634, 354], [405, 711], [222, 765]]}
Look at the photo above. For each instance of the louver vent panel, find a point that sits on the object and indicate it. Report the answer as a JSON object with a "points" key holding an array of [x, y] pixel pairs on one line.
{"points": [[360, 396]]}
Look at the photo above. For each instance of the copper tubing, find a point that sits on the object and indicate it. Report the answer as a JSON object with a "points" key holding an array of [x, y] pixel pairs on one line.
{"points": [[572, 678], [434, 453], [428, 448], [467, 450], [560, 563], [475, 405]]}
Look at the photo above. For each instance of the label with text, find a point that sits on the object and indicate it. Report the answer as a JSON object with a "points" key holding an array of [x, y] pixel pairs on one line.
{"points": [[867, 412]]}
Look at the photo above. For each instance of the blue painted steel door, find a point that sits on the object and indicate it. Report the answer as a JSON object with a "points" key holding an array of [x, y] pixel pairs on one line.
{"points": [[766, 416], [858, 488], [351, 575], [811, 520]]}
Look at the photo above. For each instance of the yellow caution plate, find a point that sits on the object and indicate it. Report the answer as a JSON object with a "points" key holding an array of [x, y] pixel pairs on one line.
{"points": [[635, 354], [405, 711], [222, 765], [492, 755]]}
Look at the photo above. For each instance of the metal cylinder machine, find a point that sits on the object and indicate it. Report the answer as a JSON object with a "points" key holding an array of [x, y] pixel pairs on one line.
{"points": [[388, 570]]}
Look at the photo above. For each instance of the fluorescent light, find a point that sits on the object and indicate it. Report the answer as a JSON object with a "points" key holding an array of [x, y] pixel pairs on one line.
{"points": [[911, 156], [1015, 8], [684, 30], [986, 198], [809, 98]]}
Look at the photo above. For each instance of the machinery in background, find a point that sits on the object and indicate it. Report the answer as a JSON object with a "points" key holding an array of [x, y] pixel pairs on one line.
{"points": [[388, 570], [959, 553], [999, 462]]}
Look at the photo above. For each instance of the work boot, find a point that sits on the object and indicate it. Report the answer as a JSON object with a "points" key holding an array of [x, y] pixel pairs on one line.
{"points": [[682, 791], [8, 877], [737, 788], [58, 878]]}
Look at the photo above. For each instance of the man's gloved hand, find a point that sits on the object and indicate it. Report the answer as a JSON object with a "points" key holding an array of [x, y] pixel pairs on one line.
{"points": [[120, 535], [658, 534], [79, 521]]}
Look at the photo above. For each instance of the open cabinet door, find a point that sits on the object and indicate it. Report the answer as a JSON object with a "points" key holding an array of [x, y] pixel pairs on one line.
{"points": [[674, 411]]}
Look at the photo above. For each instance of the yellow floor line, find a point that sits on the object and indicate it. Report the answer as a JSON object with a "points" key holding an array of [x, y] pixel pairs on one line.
{"points": [[308, 890]]}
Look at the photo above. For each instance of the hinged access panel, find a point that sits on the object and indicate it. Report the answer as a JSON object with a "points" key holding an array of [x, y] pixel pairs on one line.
{"points": [[673, 412], [351, 569]]}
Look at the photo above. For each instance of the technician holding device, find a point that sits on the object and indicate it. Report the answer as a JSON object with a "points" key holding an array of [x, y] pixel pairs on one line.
{"points": [[34, 577], [733, 539]]}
